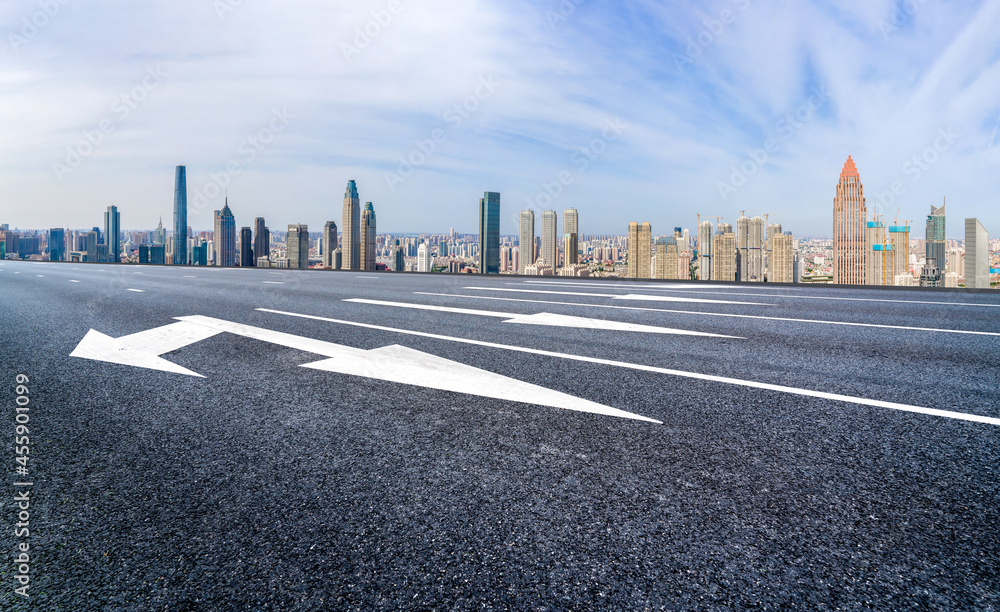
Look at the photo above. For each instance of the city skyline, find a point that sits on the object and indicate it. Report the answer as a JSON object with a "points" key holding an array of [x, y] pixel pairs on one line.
{"points": [[729, 106]]}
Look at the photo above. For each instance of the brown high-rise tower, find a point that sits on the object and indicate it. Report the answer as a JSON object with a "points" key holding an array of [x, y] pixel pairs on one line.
{"points": [[850, 241]]}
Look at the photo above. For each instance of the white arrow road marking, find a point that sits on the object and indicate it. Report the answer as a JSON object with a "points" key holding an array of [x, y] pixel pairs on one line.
{"points": [[645, 368], [545, 318], [393, 363], [614, 296], [144, 349], [712, 314]]}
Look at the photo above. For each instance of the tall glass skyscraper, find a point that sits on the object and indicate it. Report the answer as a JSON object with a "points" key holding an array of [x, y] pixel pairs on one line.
{"points": [[225, 237], [57, 244], [261, 239], [935, 236], [112, 234], [367, 233], [180, 216], [247, 259], [489, 233], [571, 235]]}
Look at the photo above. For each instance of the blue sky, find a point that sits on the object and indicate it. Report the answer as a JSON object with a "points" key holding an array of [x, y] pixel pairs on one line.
{"points": [[638, 111]]}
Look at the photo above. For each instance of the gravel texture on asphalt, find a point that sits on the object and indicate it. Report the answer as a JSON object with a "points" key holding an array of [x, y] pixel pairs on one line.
{"points": [[268, 486]]}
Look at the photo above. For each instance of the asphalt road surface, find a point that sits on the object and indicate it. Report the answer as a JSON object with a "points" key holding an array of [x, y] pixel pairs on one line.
{"points": [[445, 449]]}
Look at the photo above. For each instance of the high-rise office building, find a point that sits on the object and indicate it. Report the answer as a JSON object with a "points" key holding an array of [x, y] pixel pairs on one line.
{"points": [[57, 244], [351, 228], [705, 246], [160, 235], [329, 244], [550, 240], [180, 257], [398, 260], [298, 246], [112, 234], [424, 258], [935, 247], [526, 240], [755, 250], [782, 259], [224, 240], [367, 244], [489, 233], [724, 257], [977, 255], [640, 237], [261, 239], [850, 217], [571, 233], [247, 259]]}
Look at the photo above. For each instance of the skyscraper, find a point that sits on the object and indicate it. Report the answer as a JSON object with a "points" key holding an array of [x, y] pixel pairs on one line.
{"points": [[935, 245], [526, 240], [850, 216], [724, 258], [398, 260], [112, 234], [899, 237], [225, 237], [180, 217], [880, 264], [773, 230], [489, 233], [367, 243], [705, 240], [160, 235], [977, 255], [550, 233], [571, 234], [666, 258], [351, 228], [247, 259], [742, 248], [261, 239], [298, 246], [640, 238], [782, 259], [424, 258], [57, 244], [329, 244], [755, 251]]}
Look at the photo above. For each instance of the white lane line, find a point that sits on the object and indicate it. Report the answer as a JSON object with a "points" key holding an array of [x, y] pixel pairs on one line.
{"points": [[619, 286], [136, 290], [799, 297], [276, 273], [613, 296], [40, 275], [714, 314], [74, 281], [367, 277], [189, 276], [17, 273], [645, 368], [273, 283], [548, 319]]}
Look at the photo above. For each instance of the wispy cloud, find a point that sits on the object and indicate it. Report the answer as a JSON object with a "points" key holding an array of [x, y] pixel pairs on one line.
{"points": [[698, 83]]}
